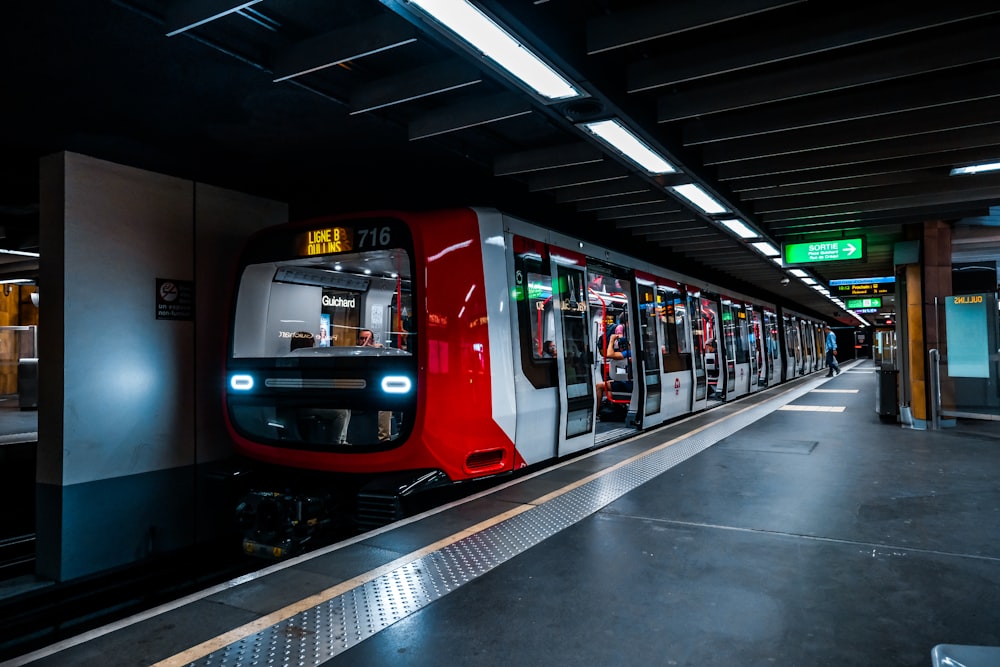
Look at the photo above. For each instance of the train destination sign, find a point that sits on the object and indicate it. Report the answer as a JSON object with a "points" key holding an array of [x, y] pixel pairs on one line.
{"points": [[834, 250], [870, 302], [325, 241], [864, 286]]}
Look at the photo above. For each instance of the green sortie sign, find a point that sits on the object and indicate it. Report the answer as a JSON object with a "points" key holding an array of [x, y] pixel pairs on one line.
{"points": [[824, 251]]}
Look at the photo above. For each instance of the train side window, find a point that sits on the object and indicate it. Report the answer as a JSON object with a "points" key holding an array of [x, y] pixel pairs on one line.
{"points": [[742, 335], [676, 353], [648, 324], [536, 318]]}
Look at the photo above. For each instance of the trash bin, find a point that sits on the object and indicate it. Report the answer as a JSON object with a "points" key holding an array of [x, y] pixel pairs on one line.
{"points": [[27, 384], [886, 396]]}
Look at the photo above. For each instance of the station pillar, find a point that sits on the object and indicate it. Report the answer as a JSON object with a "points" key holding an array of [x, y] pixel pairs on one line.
{"points": [[927, 283]]}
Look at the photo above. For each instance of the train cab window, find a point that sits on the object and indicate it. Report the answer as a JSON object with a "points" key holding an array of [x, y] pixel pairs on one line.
{"points": [[323, 338], [333, 298], [536, 319]]}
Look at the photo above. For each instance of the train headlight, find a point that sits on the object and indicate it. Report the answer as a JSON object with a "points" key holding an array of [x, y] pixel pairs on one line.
{"points": [[396, 384], [241, 382]]}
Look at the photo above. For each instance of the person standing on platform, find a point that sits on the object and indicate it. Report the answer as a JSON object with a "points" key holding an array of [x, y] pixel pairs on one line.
{"points": [[831, 352]]}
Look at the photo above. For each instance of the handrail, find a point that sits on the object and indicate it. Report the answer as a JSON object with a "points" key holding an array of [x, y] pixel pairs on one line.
{"points": [[934, 370]]}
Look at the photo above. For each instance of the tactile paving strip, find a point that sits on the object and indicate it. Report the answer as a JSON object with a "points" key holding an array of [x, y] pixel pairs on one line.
{"points": [[318, 634]]}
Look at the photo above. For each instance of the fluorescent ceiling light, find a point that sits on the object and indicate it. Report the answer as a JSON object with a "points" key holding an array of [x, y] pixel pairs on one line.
{"points": [[22, 253], [620, 138], [975, 169], [808, 281], [798, 273], [767, 249], [777, 259], [740, 228], [699, 198], [482, 33]]}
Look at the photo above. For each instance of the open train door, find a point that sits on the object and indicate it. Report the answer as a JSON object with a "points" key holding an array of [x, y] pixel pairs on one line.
{"points": [[577, 417]]}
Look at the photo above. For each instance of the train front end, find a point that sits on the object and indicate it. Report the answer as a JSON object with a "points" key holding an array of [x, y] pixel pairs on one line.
{"points": [[321, 370], [345, 356]]}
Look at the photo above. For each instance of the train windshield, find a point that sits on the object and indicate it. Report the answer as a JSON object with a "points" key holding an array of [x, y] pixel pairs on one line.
{"points": [[345, 301], [322, 352]]}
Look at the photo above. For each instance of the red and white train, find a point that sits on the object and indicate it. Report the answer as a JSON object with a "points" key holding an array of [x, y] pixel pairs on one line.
{"points": [[466, 308]]}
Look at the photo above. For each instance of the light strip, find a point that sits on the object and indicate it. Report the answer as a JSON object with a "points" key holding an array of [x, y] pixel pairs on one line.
{"points": [[620, 138], [699, 198], [22, 253], [767, 249], [975, 168], [740, 228], [798, 273], [482, 33]]}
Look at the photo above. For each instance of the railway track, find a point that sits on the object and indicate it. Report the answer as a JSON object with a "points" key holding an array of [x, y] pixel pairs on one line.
{"points": [[37, 613]]}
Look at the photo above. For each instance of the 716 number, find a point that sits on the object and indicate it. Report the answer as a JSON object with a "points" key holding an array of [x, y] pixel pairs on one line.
{"points": [[374, 237]]}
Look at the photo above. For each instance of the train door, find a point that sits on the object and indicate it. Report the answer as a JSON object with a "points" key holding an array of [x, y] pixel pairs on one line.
{"points": [[805, 335], [536, 379], [820, 346], [772, 348], [676, 355], [792, 353], [714, 354], [735, 346], [650, 334], [617, 361], [697, 333], [576, 384], [758, 367]]}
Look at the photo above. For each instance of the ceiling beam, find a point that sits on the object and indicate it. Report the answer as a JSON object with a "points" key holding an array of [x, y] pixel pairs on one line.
{"points": [[550, 157], [656, 20], [914, 177], [841, 30], [867, 130], [921, 92], [655, 208], [604, 203], [938, 142], [339, 46], [856, 69], [732, 174], [629, 185], [414, 84], [183, 15], [579, 175], [868, 195], [470, 113], [682, 218], [914, 203]]}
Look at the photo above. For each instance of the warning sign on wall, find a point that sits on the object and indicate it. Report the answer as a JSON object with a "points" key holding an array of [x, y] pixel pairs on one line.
{"points": [[174, 299]]}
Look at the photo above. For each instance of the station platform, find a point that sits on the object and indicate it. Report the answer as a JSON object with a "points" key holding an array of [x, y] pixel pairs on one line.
{"points": [[791, 527]]}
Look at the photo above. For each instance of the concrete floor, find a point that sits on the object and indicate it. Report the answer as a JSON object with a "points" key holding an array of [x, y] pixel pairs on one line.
{"points": [[812, 536]]}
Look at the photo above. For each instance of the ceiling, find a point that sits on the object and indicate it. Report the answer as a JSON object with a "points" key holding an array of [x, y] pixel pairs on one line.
{"points": [[808, 120]]}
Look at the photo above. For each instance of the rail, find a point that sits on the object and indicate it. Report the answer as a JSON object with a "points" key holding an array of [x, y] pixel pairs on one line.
{"points": [[934, 369]]}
